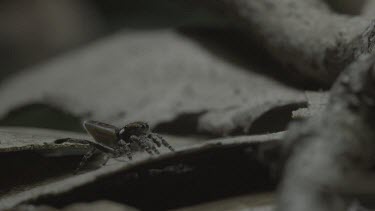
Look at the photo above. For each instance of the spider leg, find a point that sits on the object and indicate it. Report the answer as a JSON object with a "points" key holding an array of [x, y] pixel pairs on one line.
{"points": [[125, 149], [106, 158], [88, 155], [164, 142], [155, 140], [94, 147], [142, 143], [150, 143]]}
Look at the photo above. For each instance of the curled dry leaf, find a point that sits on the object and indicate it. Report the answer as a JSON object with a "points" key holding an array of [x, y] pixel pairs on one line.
{"points": [[98, 205], [317, 101], [14, 139], [147, 180], [157, 76], [31, 151], [251, 202]]}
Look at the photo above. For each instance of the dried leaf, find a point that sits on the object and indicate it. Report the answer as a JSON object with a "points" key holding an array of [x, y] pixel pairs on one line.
{"points": [[14, 139], [98, 205], [317, 101], [156, 76], [252, 202], [110, 180], [31, 151]]}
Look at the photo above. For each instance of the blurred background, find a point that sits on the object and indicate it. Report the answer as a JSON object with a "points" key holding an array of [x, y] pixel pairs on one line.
{"points": [[32, 31]]}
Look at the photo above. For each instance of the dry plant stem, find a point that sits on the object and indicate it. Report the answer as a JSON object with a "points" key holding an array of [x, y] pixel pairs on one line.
{"points": [[304, 35], [330, 156]]}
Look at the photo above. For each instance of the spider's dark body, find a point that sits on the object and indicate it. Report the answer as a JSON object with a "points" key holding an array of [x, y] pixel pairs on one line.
{"points": [[116, 142], [135, 128]]}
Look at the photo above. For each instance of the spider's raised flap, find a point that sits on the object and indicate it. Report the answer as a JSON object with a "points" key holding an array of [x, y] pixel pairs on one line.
{"points": [[102, 133]]}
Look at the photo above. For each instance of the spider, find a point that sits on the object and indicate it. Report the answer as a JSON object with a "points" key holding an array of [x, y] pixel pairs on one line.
{"points": [[115, 142]]}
